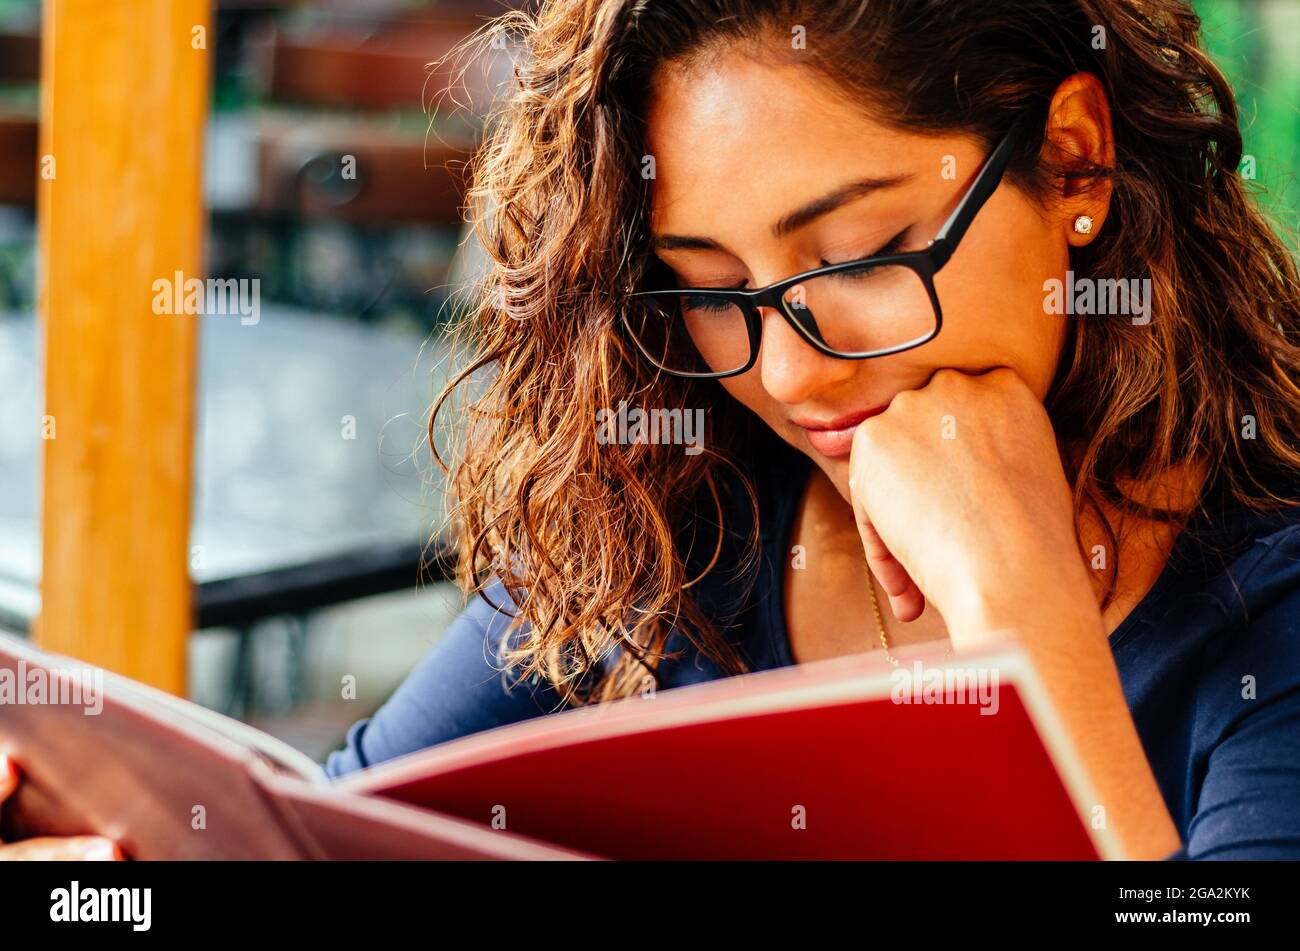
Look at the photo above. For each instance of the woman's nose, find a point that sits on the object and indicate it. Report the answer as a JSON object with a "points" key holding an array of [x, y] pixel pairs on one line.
{"points": [[791, 370]]}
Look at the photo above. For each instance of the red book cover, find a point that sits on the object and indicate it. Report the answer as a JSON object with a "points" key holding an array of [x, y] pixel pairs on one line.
{"points": [[844, 759]]}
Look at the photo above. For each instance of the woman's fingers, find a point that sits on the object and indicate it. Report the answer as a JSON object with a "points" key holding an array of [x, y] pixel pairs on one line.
{"points": [[76, 848], [8, 777], [81, 848], [905, 598]]}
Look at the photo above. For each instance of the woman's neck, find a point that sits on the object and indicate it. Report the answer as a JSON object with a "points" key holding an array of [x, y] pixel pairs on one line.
{"points": [[1142, 545]]}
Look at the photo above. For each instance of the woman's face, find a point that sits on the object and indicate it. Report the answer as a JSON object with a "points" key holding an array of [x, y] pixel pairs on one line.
{"points": [[742, 145]]}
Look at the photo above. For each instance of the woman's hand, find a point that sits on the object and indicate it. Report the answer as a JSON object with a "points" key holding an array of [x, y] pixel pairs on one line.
{"points": [[960, 497], [81, 847]]}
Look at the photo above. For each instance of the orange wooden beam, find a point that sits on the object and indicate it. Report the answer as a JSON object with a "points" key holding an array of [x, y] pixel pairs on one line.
{"points": [[119, 204]]}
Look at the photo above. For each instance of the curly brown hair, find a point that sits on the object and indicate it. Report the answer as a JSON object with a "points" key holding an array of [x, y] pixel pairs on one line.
{"points": [[598, 537]]}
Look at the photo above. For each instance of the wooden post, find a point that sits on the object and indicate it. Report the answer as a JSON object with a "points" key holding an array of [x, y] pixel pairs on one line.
{"points": [[124, 96]]}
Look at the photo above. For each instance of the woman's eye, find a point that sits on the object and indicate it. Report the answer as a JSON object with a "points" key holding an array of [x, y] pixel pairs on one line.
{"points": [[892, 246], [710, 305]]}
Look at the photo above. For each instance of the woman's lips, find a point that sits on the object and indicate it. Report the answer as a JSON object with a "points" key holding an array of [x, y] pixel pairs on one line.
{"points": [[834, 439]]}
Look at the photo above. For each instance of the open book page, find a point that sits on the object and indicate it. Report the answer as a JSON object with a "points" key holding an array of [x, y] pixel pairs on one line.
{"points": [[279, 755], [104, 756], [167, 779]]}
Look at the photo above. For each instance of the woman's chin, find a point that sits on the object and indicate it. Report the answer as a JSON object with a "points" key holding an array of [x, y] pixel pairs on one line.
{"points": [[837, 473]]}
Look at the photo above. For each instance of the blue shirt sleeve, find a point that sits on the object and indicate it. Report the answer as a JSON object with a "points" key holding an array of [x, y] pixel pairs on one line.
{"points": [[459, 688], [1249, 801]]}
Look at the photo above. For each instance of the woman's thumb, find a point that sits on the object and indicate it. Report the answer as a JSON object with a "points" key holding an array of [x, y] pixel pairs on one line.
{"points": [[8, 777]]}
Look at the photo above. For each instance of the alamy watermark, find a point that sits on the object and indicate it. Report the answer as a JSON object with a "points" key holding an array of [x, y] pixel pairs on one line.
{"points": [[942, 684], [133, 906], [214, 297], [1086, 295], [56, 686], [636, 426]]}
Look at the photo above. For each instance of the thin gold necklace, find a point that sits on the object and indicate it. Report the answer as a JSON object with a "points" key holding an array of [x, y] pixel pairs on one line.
{"points": [[880, 622]]}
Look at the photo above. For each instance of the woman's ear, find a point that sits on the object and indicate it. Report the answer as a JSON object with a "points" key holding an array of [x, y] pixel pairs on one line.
{"points": [[1080, 145]]}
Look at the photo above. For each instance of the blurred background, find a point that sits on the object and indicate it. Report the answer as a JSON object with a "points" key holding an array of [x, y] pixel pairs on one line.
{"points": [[330, 178]]}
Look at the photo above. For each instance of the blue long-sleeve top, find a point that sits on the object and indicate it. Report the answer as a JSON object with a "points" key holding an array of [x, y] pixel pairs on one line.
{"points": [[1209, 661]]}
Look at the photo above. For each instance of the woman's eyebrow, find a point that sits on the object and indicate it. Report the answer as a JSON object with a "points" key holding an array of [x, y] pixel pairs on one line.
{"points": [[799, 218]]}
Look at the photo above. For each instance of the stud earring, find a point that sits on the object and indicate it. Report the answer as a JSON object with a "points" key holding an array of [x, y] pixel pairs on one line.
{"points": [[1083, 224]]}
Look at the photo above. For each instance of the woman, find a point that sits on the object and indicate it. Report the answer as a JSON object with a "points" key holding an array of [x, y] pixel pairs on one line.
{"points": [[978, 434], [1116, 491]]}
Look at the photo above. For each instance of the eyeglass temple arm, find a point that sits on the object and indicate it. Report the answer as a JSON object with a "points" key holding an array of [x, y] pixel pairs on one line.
{"points": [[986, 183]]}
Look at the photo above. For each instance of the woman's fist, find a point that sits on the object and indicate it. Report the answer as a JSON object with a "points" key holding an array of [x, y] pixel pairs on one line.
{"points": [[957, 487]]}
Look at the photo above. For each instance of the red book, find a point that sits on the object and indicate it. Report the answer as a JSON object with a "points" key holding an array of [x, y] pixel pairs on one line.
{"points": [[937, 758]]}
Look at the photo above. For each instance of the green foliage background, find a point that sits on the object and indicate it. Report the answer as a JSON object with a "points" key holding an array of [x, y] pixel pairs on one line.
{"points": [[1257, 44]]}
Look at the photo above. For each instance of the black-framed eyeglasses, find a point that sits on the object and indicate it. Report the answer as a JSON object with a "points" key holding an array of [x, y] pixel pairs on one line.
{"points": [[854, 310]]}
